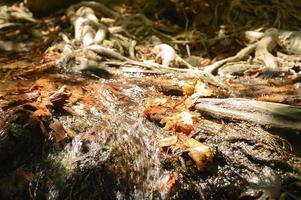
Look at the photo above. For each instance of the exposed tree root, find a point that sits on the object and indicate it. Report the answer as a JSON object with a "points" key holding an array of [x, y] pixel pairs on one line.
{"points": [[289, 40], [90, 33], [12, 17], [264, 48], [239, 56]]}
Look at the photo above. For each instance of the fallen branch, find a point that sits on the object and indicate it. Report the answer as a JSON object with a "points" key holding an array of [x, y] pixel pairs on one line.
{"points": [[88, 29], [263, 113]]}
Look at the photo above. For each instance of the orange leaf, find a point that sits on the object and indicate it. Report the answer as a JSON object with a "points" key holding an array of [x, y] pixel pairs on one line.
{"points": [[58, 130], [154, 110], [166, 182], [182, 122], [201, 154], [26, 174]]}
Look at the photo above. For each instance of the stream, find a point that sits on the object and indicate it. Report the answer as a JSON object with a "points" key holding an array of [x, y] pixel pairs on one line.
{"points": [[107, 149]]}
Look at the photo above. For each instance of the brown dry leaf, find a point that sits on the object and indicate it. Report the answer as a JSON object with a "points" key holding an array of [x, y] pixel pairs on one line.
{"points": [[41, 112], [168, 141], [154, 110], [166, 182], [58, 130], [26, 174], [201, 154], [182, 122], [156, 101], [202, 90], [36, 69], [59, 94], [188, 89]]}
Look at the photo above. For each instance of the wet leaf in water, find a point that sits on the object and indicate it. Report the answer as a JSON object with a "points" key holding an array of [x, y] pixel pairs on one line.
{"points": [[166, 182], [58, 130]]}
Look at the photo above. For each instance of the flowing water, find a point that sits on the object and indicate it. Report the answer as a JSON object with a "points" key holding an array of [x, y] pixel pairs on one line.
{"points": [[115, 143]]}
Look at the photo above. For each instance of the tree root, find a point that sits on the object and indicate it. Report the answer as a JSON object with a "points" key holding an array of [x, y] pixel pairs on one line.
{"points": [[15, 13], [239, 56], [276, 163], [88, 30], [289, 40], [169, 56]]}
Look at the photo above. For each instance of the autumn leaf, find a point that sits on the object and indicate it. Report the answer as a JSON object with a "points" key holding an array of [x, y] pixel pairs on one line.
{"points": [[154, 110], [201, 89], [182, 122], [26, 174], [58, 129], [201, 154], [166, 182]]}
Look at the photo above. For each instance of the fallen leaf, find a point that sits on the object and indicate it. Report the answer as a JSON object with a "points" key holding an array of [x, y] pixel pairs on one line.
{"points": [[156, 101], [58, 130], [201, 154], [182, 122], [59, 94], [154, 110], [26, 174], [166, 182], [202, 90], [188, 89]]}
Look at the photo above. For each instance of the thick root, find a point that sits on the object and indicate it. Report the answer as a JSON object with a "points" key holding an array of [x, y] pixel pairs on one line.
{"points": [[238, 57], [265, 46], [290, 41]]}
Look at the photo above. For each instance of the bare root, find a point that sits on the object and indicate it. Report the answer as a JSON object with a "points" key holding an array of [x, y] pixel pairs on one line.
{"points": [[290, 41]]}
